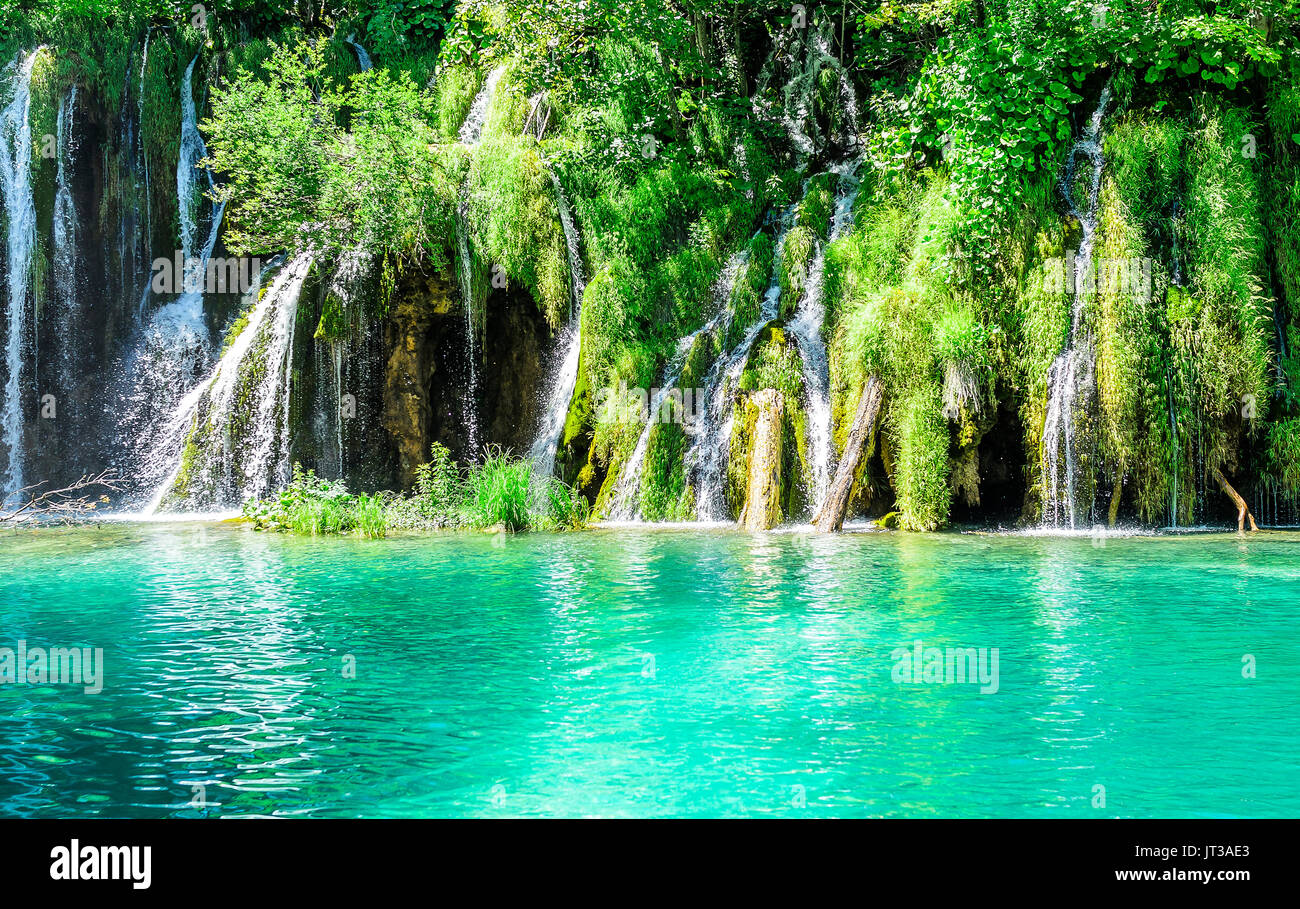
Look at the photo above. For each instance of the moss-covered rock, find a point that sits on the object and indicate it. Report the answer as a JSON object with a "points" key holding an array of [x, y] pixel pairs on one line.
{"points": [[762, 508]]}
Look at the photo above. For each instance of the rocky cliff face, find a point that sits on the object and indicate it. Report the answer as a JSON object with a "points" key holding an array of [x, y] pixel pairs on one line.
{"points": [[425, 387]]}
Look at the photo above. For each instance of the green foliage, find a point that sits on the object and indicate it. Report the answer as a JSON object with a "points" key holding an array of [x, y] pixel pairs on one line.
{"points": [[751, 284], [457, 86], [1221, 341], [314, 506], [499, 491], [295, 178], [919, 433], [438, 497], [796, 254], [517, 220]]}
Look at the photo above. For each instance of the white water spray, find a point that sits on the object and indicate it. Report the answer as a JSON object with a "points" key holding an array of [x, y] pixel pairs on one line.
{"points": [[1071, 378], [544, 446], [20, 211]]}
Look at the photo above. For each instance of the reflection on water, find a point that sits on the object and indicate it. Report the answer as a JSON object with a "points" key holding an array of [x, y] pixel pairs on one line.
{"points": [[635, 671]]}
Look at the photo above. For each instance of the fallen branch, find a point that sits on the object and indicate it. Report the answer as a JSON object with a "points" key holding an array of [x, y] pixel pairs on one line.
{"points": [[68, 503], [831, 516], [1243, 510]]}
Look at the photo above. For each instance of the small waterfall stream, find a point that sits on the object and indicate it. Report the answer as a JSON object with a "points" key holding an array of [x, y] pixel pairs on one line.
{"points": [[471, 132], [20, 245], [551, 428], [624, 505], [1071, 379], [806, 327], [1177, 281], [363, 58], [249, 389], [144, 154], [706, 458], [174, 349], [64, 259]]}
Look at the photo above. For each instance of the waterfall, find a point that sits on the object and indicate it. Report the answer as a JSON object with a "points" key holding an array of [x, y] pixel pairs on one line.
{"points": [[174, 347], [806, 327], [706, 458], [544, 446], [471, 132], [1071, 379], [1177, 281], [363, 58], [624, 505], [20, 210], [65, 243], [231, 433], [193, 150]]}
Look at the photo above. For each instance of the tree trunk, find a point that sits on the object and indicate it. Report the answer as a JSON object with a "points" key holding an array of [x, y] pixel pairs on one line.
{"points": [[1113, 517], [831, 517], [1243, 510]]}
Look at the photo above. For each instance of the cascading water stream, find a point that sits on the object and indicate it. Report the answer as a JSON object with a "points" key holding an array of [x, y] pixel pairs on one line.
{"points": [[706, 458], [20, 245], [543, 449], [1070, 380], [1176, 280], [193, 150], [624, 505], [363, 58], [144, 154], [471, 132], [65, 243], [175, 346], [214, 405], [806, 327]]}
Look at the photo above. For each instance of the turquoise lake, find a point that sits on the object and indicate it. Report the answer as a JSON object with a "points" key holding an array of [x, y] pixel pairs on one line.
{"points": [[650, 672]]}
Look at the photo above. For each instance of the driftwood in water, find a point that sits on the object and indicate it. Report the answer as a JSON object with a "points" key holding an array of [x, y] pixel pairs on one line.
{"points": [[762, 509], [831, 516], [1243, 510], [67, 504]]}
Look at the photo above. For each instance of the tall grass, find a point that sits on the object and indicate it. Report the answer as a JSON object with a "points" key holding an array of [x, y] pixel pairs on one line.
{"points": [[500, 491]]}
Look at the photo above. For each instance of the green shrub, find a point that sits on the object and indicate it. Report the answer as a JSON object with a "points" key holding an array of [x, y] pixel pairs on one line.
{"points": [[314, 506]]}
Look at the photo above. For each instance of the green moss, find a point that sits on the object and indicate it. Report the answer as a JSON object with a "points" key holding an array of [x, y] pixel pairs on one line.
{"points": [[457, 86], [517, 223], [817, 205], [920, 437], [751, 285], [796, 255]]}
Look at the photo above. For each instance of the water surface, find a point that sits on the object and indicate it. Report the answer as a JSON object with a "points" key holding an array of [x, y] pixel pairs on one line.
{"points": [[645, 672]]}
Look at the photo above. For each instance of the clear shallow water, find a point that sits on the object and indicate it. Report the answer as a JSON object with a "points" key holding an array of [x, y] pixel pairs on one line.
{"points": [[503, 677]]}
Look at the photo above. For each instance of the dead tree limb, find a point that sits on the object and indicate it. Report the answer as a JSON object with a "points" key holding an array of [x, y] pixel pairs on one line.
{"points": [[831, 516], [1243, 510], [68, 503]]}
